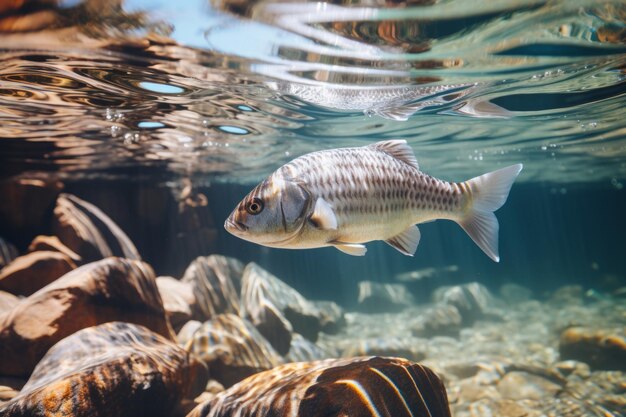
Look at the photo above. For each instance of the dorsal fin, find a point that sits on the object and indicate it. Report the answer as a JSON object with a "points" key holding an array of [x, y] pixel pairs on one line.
{"points": [[399, 149]]}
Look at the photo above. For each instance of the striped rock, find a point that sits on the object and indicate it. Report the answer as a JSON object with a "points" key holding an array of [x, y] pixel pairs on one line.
{"points": [[359, 387], [8, 252], [233, 349], [33, 271], [276, 309], [216, 282], [114, 369], [410, 348], [303, 350], [178, 300], [185, 334], [113, 289], [88, 232], [472, 300], [378, 297], [52, 243]]}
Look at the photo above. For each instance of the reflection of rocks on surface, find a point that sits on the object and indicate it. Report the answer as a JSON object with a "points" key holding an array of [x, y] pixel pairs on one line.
{"points": [[112, 289], [233, 349], [356, 387], [112, 369]]}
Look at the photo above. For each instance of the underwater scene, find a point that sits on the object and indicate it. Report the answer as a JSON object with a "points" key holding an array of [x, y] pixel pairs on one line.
{"points": [[276, 208]]}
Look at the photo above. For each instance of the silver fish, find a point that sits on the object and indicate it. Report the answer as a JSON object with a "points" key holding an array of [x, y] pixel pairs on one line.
{"points": [[350, 196]]}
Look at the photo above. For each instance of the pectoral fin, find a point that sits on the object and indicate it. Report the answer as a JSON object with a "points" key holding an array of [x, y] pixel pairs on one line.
{"points": [[354, 249], [323, 216], [407, 241]]}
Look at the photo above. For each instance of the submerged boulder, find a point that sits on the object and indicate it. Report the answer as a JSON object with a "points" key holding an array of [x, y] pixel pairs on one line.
{"points": [[113, 289], [33, 271], [599, 348], [276, 309], [232, 348], [359, 387], [375, 297], [472, 300], [179, 300], [216, 281], [52, 243], [114, 369], [88, 232], [303, 350], [438, 320]]}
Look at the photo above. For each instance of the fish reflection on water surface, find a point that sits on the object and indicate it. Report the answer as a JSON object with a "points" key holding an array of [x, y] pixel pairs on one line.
{"points": [[346, 197]]}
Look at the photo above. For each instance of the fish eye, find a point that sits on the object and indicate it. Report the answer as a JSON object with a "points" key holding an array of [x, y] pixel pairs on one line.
{"points": [[255, 206]]}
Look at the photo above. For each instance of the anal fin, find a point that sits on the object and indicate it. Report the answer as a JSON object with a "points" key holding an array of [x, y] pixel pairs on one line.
{"points": [[407, 241], [354, 249]]}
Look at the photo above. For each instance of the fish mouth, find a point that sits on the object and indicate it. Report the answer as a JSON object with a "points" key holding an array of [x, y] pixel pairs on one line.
{"points": [[235, 226]]}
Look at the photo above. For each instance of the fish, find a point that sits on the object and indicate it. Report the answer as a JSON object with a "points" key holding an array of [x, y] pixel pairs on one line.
{"points": [[350, 196]]}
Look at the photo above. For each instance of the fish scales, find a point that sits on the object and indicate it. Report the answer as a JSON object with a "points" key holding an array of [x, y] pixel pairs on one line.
{"points": [[366, 185], [347, 197]]}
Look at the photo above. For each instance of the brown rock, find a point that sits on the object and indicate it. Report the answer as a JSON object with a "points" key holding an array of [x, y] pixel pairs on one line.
{"points": [[599, 348], [109, 290], [52, 243], [90, 233], [26, 205], [216, 281], [8, 252], [233, 349], [178, 300], [359, 387], [115, 369], [33, 271], [7, 301]]}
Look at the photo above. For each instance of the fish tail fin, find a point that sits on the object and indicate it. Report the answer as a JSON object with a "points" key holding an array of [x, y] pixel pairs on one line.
{"points": [[489, 193]]}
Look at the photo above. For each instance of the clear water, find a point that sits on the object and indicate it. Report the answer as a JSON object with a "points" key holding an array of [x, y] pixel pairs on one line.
{"points": [[206, 99]]}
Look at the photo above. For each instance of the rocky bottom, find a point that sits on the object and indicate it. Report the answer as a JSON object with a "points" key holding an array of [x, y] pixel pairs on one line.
{"points": [[87, 329]]}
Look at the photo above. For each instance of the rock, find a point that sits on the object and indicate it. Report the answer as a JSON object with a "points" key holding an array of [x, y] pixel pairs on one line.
{"points": [[514, 293], [524, 386], [359, 387], [233, 349], [375, 297], [87, 231], [114, 369], [216, 281], [178, 300], [303, 350], [52, 243], [407, 347], [276, 309], [439, 320], [599, 348], [26, 206], [186, 332], [113, 289], [33, 271], [8, 252], [568, 295], [472, 300], [7, 301], [576, 368], [332, 319]]}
